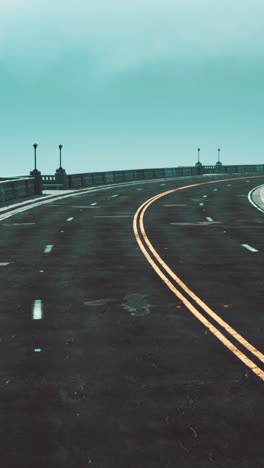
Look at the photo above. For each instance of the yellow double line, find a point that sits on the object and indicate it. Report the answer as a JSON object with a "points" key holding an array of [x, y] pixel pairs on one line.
{"points": [[156, 261]]}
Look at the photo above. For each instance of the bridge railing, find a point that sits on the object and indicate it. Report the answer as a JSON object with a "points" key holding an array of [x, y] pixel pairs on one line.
{"points": [[90, 179], [17, 187]]}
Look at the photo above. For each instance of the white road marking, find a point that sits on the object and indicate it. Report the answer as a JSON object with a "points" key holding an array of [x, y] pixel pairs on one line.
{"points": [[37, 310], [114, 216], [228, 185], [200, 223], [22, 224], [201, 204], [139, 189], [205, 196], [209, 219], [24, 206], [113, 196], [4, 263], [70, 219], [176, 204], [62, 231], [252, 249], [41, 271], [48, 248], [37, 350], [215, 189], [92, 204], [162, 184]]}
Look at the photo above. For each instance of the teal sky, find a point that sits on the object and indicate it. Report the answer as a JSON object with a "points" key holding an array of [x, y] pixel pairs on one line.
{"points": [[130, 84]]}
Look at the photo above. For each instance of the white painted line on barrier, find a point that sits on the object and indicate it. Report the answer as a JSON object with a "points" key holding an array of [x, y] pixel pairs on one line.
{"points": [[48, 248], [70, 219], [37, 310], [209, 219], [252, 249]]}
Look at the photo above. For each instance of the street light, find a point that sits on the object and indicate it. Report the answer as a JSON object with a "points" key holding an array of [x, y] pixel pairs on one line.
{"points": [[219, 155], [198, 155], [35, 155], [60, 147]]}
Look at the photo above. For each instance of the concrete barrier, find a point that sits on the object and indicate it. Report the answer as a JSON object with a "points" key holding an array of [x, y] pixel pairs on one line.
{"points": [[17, 188]]}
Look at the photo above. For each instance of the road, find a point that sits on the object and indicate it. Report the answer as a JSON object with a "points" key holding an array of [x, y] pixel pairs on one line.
{"points": [[110, 361]]}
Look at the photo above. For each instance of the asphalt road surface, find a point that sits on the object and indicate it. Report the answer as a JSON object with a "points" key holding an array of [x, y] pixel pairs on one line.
{"points": [[131, 334]]}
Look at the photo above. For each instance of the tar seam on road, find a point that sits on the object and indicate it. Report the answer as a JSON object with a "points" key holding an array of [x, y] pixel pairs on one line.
{"points": [[239, 354]]}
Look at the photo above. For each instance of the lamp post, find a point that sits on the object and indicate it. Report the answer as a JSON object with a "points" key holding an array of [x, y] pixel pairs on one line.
{"points": [[35, 173], [60, 176], [218, 164], [199, 164], [60, 147], [35, 156]]}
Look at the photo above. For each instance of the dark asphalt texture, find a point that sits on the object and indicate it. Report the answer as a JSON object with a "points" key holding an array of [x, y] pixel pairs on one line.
{"points": [[125, 379]]}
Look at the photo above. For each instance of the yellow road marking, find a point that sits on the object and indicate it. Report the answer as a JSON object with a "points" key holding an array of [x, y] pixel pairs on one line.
{"points": [[206, 309]]}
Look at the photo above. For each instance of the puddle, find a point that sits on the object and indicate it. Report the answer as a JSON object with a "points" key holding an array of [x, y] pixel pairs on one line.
{"points": [[136, 304]]}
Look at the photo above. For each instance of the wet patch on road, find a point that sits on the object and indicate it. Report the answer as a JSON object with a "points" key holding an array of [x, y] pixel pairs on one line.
{"points": [[136, 304]]}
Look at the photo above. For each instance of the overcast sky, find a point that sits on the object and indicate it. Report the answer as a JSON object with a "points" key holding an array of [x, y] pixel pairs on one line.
{"points": [[130, 84]]}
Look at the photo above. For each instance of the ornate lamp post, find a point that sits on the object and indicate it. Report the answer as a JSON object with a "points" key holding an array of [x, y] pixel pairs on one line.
{"points": [[35, 173], [60, 147], [199, 164], [35, 156], [218, 164], [61, 176]]}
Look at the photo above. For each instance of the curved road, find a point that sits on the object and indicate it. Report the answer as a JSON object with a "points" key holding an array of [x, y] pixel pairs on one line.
{"points": [[132, 332]]}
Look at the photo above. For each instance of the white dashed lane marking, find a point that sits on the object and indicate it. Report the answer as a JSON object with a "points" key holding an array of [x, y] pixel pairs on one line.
{"points": [[209, 219], [175, 204], [70, 219], [92, 204], [248, 247], [4, 263], [48, 248], [37, 312]]}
